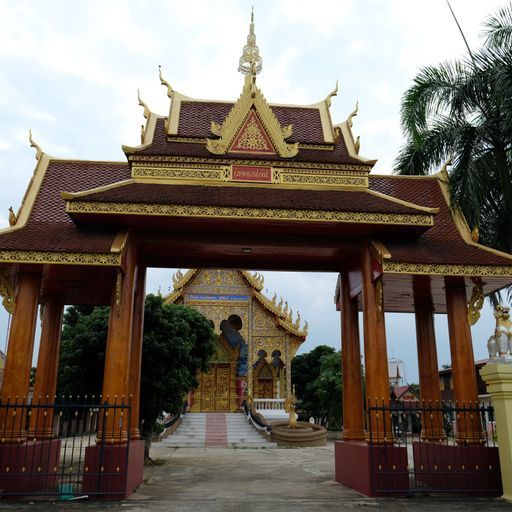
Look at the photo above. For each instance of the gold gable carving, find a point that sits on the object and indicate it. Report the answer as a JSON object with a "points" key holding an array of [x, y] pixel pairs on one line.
{"points": [[252, 138], [251, 98]]}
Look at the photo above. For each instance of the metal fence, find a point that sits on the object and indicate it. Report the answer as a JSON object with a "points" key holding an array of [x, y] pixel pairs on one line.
{"points": [[436, 448], [54, 448]]}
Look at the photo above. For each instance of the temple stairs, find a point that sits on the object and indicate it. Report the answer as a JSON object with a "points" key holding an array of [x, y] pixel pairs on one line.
{"points": [[216, 430]]}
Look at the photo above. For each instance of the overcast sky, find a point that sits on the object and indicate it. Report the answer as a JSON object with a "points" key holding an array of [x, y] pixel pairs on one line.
{"points": [[70, 71]]}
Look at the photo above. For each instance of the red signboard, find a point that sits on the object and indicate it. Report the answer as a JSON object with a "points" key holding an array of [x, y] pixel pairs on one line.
{"points": [[251, 173]]}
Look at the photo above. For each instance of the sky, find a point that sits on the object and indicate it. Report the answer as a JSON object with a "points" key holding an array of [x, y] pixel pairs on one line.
{"points": [[70, 72]]}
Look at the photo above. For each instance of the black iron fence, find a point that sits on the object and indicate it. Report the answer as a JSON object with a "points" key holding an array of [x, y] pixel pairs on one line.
{"points": [[424, 447], [69, 448]]}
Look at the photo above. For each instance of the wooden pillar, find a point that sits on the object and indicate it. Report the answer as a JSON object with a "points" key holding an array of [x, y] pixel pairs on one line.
{"points": [[375, 351], [114, 425], [463, 364], [136, 351], [353, 415], [18, 362], [45, 386], [432, 421]]}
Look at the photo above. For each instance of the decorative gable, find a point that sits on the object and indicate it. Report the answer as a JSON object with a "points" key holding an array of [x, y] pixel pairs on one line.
{"points": [[251, 123], [252, 137]]}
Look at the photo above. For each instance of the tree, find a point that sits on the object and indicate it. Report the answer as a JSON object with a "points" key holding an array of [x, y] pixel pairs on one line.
{"points": [[328, 390], [178, 341], [461, 112], [305, 370]]}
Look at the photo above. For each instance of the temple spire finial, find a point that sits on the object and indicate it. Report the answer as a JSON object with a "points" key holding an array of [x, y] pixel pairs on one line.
{"points": [[250, 62]]}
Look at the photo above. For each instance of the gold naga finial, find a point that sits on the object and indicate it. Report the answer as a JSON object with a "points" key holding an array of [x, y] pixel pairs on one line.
{"points": [[35, 145], [352, 115], [297, 321], [163, 81], [159, 293], [250, 62], [357, 144], [334, 92], [305, 328], [285, 311], [290, 316], [13, 218], [280, 305], [274, 299], [475, 234], [144, 105]]}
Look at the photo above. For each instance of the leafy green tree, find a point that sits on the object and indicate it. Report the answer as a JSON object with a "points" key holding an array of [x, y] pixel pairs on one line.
{"points": [[461, 112], [305, 370], [328, 390], [178, 341]]}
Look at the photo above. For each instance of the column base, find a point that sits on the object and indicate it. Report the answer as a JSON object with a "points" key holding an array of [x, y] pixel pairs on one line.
{"points": [[29, 467], [113, 471], [473, 469], [353, 435], [357, 466]]}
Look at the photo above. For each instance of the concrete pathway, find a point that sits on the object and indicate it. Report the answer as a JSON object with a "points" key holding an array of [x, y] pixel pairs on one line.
{"points": [[265, 480]]}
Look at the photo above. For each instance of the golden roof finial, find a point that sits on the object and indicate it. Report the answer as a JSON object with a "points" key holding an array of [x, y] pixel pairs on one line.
{"points": [[35, 145], [144, 105], [352, 115], [331, 94], [13, 218], [250, 62], [163, 81]]}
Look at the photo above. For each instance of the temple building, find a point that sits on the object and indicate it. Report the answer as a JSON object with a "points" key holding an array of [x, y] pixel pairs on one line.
{"points": [[258, 337]]}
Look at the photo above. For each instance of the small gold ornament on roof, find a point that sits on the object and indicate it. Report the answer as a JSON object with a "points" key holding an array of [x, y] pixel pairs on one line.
{"points": [[250, 62]]}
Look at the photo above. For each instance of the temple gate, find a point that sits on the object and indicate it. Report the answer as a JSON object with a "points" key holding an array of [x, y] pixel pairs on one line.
{"points": [[244, 184]]}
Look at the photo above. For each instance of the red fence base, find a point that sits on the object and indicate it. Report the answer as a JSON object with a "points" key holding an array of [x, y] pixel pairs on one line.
{"points": [[115, 472], [29, 467], [357, 467], [463, 468]]}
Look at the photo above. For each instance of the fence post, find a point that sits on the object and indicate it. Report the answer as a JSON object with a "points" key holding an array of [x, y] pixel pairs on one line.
{"points": [[498, 378]]}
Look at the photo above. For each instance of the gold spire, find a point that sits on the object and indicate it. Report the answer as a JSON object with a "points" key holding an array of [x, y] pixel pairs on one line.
{"points": [[250, 62]]}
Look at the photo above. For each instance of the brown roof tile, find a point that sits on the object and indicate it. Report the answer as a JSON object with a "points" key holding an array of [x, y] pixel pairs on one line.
{"points": [[196, 117], [441, 244], [250, 197], [49, 227], [160, 146]]}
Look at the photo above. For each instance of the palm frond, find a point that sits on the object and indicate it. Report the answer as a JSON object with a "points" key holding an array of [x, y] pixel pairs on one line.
{"points": [[498, 28]]}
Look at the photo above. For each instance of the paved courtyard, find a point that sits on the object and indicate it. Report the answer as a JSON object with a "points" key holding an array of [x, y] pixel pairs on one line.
{"points": [[252, 480]]}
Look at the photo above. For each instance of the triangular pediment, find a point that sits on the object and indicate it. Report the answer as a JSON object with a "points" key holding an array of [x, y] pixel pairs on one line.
{"points": [[252, 137], [251, 122]]}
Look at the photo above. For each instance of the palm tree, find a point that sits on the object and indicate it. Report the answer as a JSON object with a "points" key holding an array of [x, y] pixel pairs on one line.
{"points": [[461, 112]]}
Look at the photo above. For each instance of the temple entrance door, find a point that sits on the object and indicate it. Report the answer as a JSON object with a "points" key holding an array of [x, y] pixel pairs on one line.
{"points": [[215, 386], [265, 388]]}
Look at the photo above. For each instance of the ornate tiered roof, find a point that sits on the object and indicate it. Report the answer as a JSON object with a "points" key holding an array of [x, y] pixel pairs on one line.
{"points": [[246, 170]]}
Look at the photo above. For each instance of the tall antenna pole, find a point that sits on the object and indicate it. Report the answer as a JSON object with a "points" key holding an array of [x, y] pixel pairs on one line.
{"points": [[462, 33]]}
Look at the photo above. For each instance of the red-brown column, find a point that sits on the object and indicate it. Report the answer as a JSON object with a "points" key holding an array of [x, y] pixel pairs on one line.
{"points": [[375, 352], [432, 421], [353, 415], [18, 362], [463, 363], [45, 385], [117, 357], [136, 352]]}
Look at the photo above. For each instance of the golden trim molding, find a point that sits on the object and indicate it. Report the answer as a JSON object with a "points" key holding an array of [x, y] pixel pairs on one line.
{"points": [[441, 269], [223, 174], [61, 258], [173, 210], [191, 161]]}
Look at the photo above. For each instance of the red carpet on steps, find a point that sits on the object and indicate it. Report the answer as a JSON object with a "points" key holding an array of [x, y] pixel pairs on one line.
{"points": [[216, 431]]}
